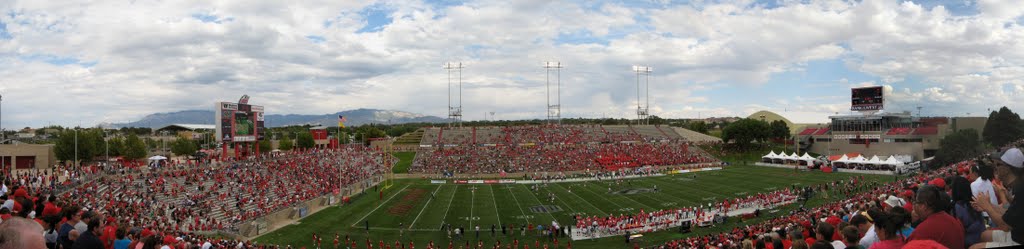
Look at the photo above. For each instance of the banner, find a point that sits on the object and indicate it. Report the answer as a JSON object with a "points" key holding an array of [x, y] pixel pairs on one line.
{"points": [[460, 181], [437, 181]]}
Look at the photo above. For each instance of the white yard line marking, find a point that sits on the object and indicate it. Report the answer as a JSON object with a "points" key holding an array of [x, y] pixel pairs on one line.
{"points": [[595, 193], [584, 200], [425, 206], [495, 201], [472, 204], [540, 203], [381, 205], [517, 204], [443, 221]]}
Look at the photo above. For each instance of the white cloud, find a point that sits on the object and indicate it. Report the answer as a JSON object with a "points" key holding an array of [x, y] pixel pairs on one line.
{"points": [[157, 56]]}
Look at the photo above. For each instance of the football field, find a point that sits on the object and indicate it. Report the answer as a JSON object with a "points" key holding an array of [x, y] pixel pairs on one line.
{"points": [[415, 209]]}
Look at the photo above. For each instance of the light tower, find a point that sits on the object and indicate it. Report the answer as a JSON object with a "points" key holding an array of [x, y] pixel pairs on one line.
{"points": [[642, 113], [454, 112], [554, 111]]}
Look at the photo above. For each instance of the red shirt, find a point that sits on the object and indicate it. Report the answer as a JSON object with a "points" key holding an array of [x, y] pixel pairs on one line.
{"points": [[50, 209], [940, 227], [888, 244]]}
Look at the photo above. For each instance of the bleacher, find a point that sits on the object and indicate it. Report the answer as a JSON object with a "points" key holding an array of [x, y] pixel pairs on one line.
{"points": [[548, 134], [822, 131], [808, 131], [899, 131], [414, 137], [430, 135], [650, 131], [927, 130]]}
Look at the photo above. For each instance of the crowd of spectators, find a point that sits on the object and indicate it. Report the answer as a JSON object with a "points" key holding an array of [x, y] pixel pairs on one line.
{"points": [[538, 134], [963, 205], [174, 204], [865, 166], [644, 222], [551, 158]]}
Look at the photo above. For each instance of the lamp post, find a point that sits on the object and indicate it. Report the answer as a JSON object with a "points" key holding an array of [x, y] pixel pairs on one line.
{"points": [[3, 135], [642, 112], [76, 146]]}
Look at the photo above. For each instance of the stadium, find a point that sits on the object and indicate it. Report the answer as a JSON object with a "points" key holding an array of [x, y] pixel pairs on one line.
{"points": [[769, 125], [543, 186]]}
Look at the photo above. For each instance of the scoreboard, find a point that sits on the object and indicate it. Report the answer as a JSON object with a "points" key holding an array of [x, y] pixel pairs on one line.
{"points": [[867, 99], [239, 122]]}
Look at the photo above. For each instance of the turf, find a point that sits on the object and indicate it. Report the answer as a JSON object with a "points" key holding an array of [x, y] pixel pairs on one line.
{"points": [[404, 161], [422, 208]]}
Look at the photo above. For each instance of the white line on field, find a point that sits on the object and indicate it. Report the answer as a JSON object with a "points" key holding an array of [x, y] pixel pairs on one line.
{"points": [[443, 221], [517, 204], [496, 213], [585, 200], [472, 204], [425, 206], [381, 205]]}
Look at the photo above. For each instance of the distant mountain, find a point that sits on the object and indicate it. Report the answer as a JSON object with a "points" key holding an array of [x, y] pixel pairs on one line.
{"points": [[353, 117]]}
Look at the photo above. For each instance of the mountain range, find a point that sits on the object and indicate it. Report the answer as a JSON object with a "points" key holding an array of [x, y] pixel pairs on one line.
{"points": [[353, 118]]}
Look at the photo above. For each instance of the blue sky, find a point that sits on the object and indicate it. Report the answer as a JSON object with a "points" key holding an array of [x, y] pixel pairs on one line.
{"points": [[123, 60]]}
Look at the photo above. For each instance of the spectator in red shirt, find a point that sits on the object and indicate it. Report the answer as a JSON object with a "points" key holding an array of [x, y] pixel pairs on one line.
{"points": [[930, 206]]}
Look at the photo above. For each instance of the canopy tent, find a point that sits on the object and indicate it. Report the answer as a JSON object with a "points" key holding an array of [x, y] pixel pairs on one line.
{"points": [[893, 161], [874, 160], [779, 158], [768, 158], [842, 160], [157, 158], [791, 158], [807, 159]]}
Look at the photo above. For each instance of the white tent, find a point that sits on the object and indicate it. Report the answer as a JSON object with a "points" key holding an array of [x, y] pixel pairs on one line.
{"points": [[157, 158], [843, 159], [807, 158], [770, 155], [874, 160], [893, 161]]}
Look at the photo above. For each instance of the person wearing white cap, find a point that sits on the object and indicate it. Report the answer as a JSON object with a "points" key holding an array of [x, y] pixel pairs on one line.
{"points": [[1009, 167]]}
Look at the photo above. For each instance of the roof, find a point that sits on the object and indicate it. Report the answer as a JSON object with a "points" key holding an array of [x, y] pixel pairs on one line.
{"points": [[190, 127]]}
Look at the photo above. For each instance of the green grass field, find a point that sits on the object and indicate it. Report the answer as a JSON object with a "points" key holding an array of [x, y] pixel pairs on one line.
{"points": [[409, 204], [404, 161]]}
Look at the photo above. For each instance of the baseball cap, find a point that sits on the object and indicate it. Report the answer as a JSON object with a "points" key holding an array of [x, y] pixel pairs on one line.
{"points": [[1012, 157], [894, 201], [938, 182]]}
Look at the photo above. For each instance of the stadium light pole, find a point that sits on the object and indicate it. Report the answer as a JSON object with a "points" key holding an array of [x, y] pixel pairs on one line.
{"points": [[3, 136], [554, 111], [454, 112], [641, 113], [76, 145]]}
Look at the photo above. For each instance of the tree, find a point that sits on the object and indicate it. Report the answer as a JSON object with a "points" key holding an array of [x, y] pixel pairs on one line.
{"points": [[745, 132], [285, 144], [958, 146], [89, 144], [1003, 127], [117, 146], [779, 130], [655, 120], [699, 126], [135, 149], [183, 146], [305, 140], [65, 147], [265, 146]]}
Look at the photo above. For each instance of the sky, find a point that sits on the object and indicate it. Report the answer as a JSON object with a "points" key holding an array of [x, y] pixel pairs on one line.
{"points": [[88, 62]]}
